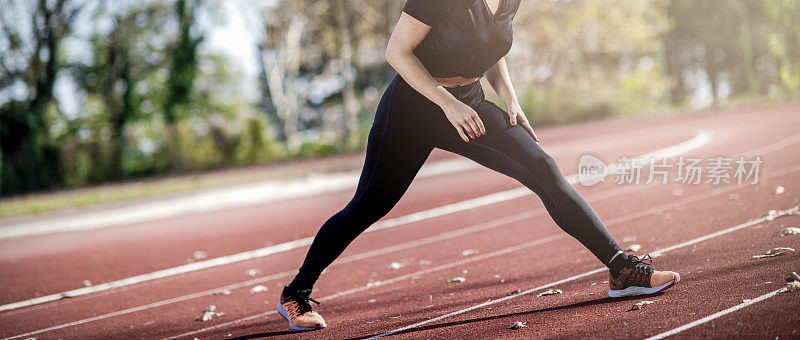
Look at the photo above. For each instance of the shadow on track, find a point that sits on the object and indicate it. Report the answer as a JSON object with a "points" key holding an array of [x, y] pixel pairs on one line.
{"points": [[488, 318]]}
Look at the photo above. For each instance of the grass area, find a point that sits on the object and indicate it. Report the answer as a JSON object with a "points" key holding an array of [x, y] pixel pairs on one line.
{"points": [[44, 202]]}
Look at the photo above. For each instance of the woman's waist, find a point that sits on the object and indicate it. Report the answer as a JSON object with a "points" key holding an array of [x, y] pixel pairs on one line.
{"points": [[470, 94], [453, 82], [464, 90]]}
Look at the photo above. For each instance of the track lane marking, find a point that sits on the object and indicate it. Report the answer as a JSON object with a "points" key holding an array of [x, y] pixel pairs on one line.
{"points": [[610, 193], [594, 271], [475, 258], [780, 144], [214, 199], [701, 138], [716, 315], [412, 244], [209, 200]]}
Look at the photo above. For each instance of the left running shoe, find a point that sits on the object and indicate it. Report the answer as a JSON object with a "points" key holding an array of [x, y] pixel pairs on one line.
{"points": [[295, 307], [638, 278]]}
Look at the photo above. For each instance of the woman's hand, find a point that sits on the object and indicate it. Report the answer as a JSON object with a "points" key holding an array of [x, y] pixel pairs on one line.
{"points": [[464, 119], [515, 114]]}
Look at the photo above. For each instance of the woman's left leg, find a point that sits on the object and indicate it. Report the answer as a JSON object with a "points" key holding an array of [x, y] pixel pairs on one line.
{"points": [[510, 149]]}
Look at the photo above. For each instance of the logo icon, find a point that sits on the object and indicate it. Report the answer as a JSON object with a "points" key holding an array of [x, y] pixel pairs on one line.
{"points": [[591, 170]]}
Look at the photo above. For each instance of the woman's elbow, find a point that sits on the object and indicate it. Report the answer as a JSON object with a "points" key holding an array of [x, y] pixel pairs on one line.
{"points": [[394, 54], [390, 56]]}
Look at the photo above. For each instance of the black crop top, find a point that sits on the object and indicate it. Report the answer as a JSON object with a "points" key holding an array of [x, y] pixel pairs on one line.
{"points": [[465, 39]]}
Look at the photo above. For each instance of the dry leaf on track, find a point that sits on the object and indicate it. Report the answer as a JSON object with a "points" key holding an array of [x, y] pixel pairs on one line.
{"points": [[639, 305], [199, 254], [210, 313], [394, 265], [771, 215], [517, 325], [793, 277], [257, 289], [633, 248], [550, 292], [775, 252], [469, 252], [790, 231]]}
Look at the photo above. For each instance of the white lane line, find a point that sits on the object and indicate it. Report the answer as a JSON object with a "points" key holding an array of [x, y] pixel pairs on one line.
{"points": [[594, 271], [352, 258], [716, 315], [390, 281], [552, 284], [775, 146], [377, 252], [213, 200], [702, 138], [371, 285], [695, 198]]}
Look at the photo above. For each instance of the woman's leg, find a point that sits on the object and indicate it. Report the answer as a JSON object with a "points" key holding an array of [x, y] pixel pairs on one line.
{"points": [[394, 155], [512, 151], [509, 149]]}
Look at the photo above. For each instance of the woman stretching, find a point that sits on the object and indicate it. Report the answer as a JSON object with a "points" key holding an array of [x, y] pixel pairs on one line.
{"points": [[441, 49]]}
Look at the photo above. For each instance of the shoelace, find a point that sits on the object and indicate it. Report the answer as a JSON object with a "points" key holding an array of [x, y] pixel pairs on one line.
{"points": [[303, 305], [646, 259], [307, 307], [641, 270]]}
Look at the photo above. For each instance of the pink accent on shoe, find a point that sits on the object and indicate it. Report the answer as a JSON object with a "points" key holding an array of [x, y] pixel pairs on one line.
{"points": [[675, 280]]}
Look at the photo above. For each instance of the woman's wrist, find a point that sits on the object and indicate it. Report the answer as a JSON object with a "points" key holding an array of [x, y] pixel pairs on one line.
{"points": [[444, 99], [512, 103]]}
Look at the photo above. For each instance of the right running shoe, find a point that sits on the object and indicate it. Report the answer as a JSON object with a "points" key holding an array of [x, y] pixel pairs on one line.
{"points": [[638, 278], [295, 307]]}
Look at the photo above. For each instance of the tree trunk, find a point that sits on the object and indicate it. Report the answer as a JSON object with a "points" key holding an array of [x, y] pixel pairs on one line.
{"points": [[711, 72], [282, 64], [349, 99]]}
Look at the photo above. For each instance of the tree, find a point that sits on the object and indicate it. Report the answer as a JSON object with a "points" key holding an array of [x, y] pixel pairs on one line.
{"points": [[182, 75], [31, 56], [119, 66]]}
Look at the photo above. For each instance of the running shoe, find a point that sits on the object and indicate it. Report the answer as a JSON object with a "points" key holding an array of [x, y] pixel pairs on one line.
{"points": [[638, 278], [295, 307]]}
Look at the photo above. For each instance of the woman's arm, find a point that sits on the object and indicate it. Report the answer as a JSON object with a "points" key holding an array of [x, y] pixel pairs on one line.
{"points": [[409, 33], [498, 77]]}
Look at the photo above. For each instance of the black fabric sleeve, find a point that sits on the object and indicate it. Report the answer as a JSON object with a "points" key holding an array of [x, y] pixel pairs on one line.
{"points": [[427, 11]]}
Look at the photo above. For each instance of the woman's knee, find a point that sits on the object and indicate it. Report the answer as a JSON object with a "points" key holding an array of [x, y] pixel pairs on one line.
{"points": [[542, 164], [550, 163], [363, 212]]}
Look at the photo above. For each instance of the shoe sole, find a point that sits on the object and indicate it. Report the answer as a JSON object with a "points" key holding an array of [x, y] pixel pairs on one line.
{"points": [[282, 312], [634, 290]]}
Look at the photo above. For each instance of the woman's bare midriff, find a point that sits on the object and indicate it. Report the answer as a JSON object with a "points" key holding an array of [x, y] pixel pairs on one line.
{"points": [[455, 81]]}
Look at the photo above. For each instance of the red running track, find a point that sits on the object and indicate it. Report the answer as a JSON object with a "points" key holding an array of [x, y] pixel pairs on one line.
{"points": [[518, 247]]}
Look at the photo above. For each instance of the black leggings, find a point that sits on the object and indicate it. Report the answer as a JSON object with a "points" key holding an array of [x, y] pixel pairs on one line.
{"points": [[407, 127]]}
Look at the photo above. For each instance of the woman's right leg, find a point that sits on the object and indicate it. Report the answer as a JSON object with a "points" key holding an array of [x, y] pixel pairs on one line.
{"points": [[396, 149]]}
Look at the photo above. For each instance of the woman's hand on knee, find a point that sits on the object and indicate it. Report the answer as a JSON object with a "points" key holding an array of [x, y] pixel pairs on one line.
{"points": [[464, 119], [515, 114]]}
